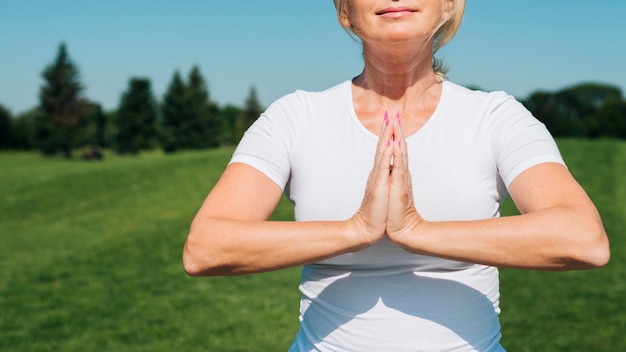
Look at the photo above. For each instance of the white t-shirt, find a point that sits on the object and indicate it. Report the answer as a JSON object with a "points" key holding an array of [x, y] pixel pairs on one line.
{"points": [[385, 298]]}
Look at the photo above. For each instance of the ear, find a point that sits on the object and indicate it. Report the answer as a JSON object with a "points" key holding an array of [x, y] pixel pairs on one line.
{"points": [[448, 7], [344, 18]]}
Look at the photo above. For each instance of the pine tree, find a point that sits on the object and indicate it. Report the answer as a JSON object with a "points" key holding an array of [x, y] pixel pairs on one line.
{"points": [[251, 111], [189, 121], [60, 104], [200, 126], [136, 118], [173, 114], [228, 117]]}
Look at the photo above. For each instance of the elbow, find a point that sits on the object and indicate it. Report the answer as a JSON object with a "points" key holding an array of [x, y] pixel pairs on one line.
{"points": [[191, 263], [599, 253], [595, 259], [196, 265], [203, 256], [197, 257], [594, 251]]}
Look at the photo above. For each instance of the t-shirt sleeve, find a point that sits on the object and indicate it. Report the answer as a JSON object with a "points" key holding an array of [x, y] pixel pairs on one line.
{"points": [[265, 145], [519, 141]]}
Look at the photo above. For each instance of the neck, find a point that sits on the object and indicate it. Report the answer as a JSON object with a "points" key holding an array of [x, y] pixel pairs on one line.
{"points": [[396, 75]]}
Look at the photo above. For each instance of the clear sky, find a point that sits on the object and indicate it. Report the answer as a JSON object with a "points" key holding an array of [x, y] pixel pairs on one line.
{"points": [[279, 46]]}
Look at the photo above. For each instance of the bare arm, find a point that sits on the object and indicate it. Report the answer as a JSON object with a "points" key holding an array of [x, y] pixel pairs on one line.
{"points": [[230, 234], [559, 227]]}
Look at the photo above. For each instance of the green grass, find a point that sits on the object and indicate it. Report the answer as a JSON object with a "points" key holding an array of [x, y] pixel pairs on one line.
{"points": [[579, 310], [90, 259]]}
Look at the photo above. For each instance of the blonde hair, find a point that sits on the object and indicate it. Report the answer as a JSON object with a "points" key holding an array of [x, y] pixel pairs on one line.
{"points": [[441, 35]]}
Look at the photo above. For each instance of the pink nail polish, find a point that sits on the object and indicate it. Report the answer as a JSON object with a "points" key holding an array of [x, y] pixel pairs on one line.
{"points": [[398, 116], [386, 117], [388, 142]]}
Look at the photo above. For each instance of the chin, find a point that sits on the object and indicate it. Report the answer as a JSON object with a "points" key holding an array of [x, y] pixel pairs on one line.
{"points": [[405, 37]]}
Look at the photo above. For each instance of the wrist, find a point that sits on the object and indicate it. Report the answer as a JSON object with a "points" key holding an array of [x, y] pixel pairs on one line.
{"points": [[412, 235], [357, 234]]}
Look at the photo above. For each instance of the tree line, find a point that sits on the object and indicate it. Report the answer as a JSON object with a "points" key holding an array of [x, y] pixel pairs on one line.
{"points": [[65, 121], [590, 110], [185, 118]]}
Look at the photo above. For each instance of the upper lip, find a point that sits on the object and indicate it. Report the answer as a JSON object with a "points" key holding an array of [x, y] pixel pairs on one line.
{"points": [[395, 9]]}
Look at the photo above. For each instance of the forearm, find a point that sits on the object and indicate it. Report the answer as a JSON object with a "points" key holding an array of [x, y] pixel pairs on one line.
{"points": [[233, 247], [557, 238]]}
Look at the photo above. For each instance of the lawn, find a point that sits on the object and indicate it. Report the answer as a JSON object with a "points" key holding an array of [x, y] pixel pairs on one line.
{"points": [[579, 310], [90, 259]]}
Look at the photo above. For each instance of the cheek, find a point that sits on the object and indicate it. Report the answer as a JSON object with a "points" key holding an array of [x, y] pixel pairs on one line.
{"points": [[356, 13], [357, 23]]}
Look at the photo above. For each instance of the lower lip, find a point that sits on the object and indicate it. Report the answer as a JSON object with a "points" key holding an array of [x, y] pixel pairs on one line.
{"points": [[396, 14]]}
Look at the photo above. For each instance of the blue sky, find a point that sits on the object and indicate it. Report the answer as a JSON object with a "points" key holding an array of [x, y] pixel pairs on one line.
{"points": [[279, 46]]}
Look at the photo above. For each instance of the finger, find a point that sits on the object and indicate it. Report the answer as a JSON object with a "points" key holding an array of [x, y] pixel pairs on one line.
{"points": [[404, 150], [398, 132], [401, 176], [400, 159], [376, 199], [384, 147], [384, 125]]}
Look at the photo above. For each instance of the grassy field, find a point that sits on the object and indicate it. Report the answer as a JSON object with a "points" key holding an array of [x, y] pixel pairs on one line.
{"points": [[90, 259]]}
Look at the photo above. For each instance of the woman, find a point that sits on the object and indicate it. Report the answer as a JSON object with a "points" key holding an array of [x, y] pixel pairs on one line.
{"points": [[397, 177]]}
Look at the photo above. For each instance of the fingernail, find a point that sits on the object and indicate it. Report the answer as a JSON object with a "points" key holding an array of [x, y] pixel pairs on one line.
{"points": [[398, 116], [386, 117], [399, 143], [388, 142]]}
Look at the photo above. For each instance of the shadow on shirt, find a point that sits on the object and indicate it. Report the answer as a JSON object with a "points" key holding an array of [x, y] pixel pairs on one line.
{"points": [[401, 311]]}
